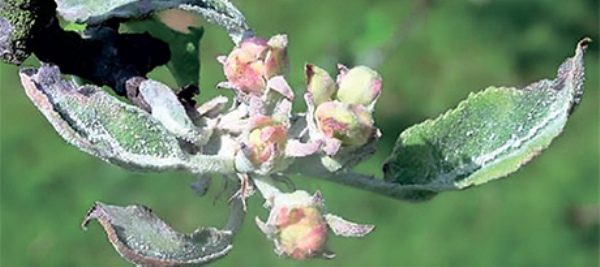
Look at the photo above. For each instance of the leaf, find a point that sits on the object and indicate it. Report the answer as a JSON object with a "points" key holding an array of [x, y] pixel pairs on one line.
{"points": [[166, 108], [94, 12], [184, 47], [100, 124], [145, 240], [488, 136], [219, 12]]}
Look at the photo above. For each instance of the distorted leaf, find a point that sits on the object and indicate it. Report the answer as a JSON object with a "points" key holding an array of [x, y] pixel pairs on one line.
{"points": [[219, 12], [100, 124], [488, 136], [145, 240], [97, 11]]}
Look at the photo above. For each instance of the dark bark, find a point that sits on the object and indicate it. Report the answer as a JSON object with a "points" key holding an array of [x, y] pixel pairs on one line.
{"points": [[104, 57]]}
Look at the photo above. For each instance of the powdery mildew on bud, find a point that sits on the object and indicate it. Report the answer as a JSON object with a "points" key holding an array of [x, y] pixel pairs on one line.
{"points": [[359, 86]]}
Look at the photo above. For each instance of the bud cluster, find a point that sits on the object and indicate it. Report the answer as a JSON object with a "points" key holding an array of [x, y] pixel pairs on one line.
{"points": [[340, 111], [296, 225], [339, 122], [343, 109], [254, 70], [254, 61]]}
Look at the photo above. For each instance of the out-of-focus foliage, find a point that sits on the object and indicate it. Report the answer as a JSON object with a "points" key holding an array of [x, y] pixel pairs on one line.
{"points": [[431, 54]]}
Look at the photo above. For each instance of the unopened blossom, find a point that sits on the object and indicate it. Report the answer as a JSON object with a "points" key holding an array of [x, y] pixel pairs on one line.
{"points": [[359, 86], [297, 225], [276, 62], [266, 140], [341, 110], [254, 61], [319, 84], [351, 124], [305, 236]]}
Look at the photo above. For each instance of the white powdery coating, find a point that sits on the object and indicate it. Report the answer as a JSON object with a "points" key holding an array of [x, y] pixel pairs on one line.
{"points": [[167, 109]]}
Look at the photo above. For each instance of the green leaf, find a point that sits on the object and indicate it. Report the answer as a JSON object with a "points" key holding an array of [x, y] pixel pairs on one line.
{"points": [[145, 240], [219, 12], [100, 124], [185, 49], [488, 136], [90, 11]]}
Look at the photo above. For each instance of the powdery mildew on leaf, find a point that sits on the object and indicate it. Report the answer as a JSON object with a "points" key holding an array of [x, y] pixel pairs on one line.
{"points": [[219, 12], [101, 125], [145, 240], [259, 141], [488, 136]]}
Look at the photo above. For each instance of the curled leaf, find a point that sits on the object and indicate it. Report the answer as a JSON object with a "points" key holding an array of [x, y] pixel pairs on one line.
{"points": [[145, 240], [100, 124], [220, 12], [488, 136]]}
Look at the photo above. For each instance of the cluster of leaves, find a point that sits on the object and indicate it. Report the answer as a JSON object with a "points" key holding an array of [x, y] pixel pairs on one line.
{"points": [[489, 135]]}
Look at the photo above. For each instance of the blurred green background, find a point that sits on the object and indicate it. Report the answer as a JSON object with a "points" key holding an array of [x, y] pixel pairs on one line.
{"points": [[431, 55]]}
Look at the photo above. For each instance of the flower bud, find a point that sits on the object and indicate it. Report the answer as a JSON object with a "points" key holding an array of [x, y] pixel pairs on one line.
{"points": [[319, 84], [351, 124], [359, 86], [276, 59], [299, 225], [243, 67], [266, 140], [306, 236], [250, 65], [298, 220]]}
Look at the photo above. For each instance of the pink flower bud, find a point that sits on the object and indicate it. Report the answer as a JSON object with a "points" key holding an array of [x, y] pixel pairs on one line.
{"points": [[276, 59], [305, 235], [359, 86], [266, 140], [299, 225], [351, 124], [319, 84], [250, 65]]}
